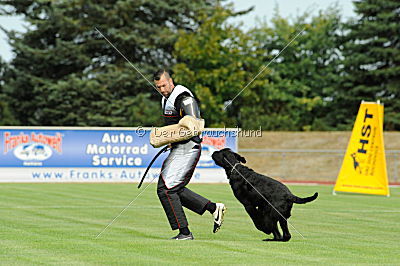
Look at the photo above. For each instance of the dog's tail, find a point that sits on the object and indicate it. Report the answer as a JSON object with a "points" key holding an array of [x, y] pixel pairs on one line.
{"points": [[298, 200]]}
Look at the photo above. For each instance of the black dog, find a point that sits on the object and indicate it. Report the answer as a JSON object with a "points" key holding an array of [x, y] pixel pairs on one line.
{"points": [[257, 193]]}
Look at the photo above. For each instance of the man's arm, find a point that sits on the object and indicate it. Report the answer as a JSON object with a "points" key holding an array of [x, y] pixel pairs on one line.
{"points": [[191, 125], [188, 106]]}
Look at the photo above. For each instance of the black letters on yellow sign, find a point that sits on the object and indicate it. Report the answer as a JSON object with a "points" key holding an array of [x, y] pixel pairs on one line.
{"points": [[365, 132]]}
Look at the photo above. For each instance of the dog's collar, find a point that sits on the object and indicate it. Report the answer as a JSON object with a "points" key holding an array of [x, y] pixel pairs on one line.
{"points": [[234, 166]]}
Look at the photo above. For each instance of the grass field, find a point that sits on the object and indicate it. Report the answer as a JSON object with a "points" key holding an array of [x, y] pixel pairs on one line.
{"points": [[58, 223]]}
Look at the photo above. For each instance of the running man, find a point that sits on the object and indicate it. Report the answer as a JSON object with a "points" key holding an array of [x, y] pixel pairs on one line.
{"points": [[178, 167]]}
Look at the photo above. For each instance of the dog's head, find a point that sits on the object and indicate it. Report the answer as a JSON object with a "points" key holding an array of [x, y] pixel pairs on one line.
{"points": [[226, 158]]}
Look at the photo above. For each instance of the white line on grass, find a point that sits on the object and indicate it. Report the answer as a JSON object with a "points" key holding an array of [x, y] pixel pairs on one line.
{"points": [[134, 199], [126, 207]]}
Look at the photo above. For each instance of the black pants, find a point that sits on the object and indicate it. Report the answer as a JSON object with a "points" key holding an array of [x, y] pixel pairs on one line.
{"points": [[175, 174]]}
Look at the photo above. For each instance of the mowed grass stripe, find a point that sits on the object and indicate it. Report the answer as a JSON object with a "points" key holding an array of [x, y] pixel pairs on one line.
{"points": [[338, 229]]}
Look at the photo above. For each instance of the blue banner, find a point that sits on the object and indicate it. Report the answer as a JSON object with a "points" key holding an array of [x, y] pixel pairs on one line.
{"points": [[85, 147]]}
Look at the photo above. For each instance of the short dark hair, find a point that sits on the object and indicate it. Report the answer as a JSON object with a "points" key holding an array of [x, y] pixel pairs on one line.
{"points": [[159, 73]]}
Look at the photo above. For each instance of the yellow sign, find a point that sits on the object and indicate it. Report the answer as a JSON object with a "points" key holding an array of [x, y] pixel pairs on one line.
{"points": [[364, 165]]}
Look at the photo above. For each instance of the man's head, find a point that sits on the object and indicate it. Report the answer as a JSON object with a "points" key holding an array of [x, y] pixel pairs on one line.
{"points": [[163, 82]]}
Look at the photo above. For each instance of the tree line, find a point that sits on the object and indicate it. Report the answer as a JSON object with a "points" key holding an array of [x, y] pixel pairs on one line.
{"points": [[64, 73]]}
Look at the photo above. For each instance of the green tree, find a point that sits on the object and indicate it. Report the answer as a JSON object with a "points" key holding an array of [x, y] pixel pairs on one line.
{"points": [[6, 114], [303, 77], [65, 73], [220, 59], [371, 50], [212, 61]]}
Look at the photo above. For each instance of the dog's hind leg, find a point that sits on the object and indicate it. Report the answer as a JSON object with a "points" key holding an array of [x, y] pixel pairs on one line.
{"points": [[275, 232], [285, 230]]}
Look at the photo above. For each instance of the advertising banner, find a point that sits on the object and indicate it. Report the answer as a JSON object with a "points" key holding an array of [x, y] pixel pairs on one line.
{"points": [[48, 154], [364, 165]]}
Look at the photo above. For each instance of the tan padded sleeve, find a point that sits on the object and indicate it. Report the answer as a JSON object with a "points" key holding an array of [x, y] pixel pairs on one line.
{"points": [[187, 128]]}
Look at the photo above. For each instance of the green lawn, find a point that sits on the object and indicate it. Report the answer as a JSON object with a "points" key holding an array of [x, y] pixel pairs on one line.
{"points": [[58, 223]]}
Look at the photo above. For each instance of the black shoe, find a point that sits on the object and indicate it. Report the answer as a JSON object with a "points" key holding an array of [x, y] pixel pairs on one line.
{"points": [[183, 237]]}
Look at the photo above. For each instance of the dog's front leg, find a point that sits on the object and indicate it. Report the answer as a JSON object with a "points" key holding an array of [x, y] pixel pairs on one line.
{"points": [[257, 218], [275, 232]]}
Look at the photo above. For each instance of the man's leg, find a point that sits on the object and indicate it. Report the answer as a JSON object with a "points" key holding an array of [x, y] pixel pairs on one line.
{"points": [[199, 205], [176, 171], [193, 201], [172, 205]]}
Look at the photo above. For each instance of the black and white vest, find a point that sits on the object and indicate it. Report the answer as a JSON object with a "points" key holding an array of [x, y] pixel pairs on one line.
{"points": [[171, 112]]}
